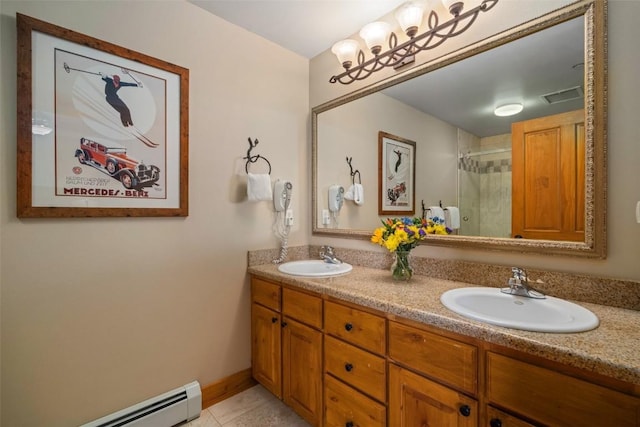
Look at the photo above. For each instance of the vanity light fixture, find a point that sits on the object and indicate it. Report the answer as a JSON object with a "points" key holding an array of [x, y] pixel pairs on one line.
{"points": [[508, 110], [409, 15]]}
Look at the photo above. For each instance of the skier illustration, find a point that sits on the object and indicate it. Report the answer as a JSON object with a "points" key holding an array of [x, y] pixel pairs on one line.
{"points": [[399, 153], [112, 85], [111, 88]]}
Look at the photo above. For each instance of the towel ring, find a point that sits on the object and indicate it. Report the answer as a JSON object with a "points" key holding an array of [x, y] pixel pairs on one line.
{"points": [[255, 157], [353, 173]]}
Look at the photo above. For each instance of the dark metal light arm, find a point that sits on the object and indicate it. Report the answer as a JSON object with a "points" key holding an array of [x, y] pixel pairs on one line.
{"points": [[430, 39]]}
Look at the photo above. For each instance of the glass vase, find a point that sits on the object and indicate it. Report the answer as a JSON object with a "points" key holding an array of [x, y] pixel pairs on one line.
{"points": [[401, 268]]}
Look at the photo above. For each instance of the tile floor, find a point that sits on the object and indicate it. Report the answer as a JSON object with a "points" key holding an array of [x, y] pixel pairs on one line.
{"points": [[255, 407]]}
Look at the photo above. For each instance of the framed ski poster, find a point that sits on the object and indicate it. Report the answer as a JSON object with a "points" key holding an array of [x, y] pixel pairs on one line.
{"points": [[102, 130], [396, 175]]}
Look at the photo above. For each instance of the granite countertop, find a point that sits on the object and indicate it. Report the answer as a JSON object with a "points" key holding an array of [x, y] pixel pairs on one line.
{"points": [[612, 349]]}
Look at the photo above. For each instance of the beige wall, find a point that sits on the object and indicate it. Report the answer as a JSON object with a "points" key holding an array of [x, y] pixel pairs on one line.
{"points": [[348, 132], [623, 149], [98, 314]]}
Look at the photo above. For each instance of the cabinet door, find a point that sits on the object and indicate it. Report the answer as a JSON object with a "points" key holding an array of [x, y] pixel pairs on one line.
{"points": [[266, 348], [417, 401], [302, 370]]}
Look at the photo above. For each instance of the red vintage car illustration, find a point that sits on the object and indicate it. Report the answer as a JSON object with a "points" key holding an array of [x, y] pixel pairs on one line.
{"points": [[112, 159]]}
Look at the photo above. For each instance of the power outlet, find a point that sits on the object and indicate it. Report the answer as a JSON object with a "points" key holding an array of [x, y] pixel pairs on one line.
{"points": [[638, 212], [288, 219]]}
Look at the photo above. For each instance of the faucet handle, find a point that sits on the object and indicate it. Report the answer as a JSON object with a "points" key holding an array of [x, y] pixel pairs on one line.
{"points": [[519, 273], [326, 249]]}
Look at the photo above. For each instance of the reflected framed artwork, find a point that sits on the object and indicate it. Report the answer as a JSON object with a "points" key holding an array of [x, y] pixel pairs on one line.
{"points": [[396, 175], [102, 130]]}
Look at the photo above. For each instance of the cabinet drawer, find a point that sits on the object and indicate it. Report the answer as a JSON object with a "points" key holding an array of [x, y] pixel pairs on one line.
{"points": [[265, 293], [452, 362], [303, 307], [552, 398], [497, 418], [361, 369], [345, 406], [355, 326]]}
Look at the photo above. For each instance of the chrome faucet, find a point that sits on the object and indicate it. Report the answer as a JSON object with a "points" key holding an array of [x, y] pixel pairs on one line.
{"points": [[519, 285], [326, 254]]}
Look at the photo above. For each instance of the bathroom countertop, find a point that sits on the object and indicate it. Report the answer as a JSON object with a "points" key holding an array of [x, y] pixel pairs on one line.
{"points": [[612, 349]]}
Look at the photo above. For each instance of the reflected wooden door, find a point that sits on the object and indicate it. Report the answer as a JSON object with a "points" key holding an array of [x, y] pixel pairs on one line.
{"points": [[548, 177]]}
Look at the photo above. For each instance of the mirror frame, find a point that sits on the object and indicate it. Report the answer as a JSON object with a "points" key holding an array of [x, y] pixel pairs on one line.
{"points": [[594, 245]]}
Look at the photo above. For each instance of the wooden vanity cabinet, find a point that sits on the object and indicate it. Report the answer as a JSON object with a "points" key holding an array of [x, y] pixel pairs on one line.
{"points": [[287, 352], [266, 341], [549, 397], [431, 379], [375, 369], [355, 367]]}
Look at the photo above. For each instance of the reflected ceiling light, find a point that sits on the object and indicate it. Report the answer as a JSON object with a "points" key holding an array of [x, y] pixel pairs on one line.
{"points": [[508, 110], [40, 127], [409, 16]]}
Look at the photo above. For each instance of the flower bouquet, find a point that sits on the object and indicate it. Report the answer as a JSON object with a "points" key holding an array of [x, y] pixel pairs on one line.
{"points": [[400, 235]]}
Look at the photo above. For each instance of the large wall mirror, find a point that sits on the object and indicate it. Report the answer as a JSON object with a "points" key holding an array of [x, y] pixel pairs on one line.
{"points": [[548, 197]]}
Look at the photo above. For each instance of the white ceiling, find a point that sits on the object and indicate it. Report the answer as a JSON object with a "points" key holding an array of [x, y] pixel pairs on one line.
{"points": [[307, 27], [510, 73]]}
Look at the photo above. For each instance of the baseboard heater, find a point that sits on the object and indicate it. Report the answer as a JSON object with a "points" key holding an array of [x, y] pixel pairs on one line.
{"points": [[166, 410]]}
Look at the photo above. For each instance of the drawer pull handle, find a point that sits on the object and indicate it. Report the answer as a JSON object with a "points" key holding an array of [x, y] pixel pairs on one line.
{"points": [[348, 367], [284, 324], [348, 326], [465, 410], [495, 422], [349, 424], [274, 319]]}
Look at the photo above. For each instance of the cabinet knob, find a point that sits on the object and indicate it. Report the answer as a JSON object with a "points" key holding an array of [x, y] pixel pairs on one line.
{"points": [[465, 410], [348, 367], [495, 422], [284, 324], [274, 319], [348, 326], [349, 424]]}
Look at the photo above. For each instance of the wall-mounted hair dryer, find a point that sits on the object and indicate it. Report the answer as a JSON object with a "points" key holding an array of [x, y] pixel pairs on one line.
{"points": [[336, 198]]}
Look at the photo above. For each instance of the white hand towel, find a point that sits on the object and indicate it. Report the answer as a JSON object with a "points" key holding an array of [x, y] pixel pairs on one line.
{"points": [[452, 217], [350, 193], [358, 194], [355, 193], [259, 187], [436, 212]]}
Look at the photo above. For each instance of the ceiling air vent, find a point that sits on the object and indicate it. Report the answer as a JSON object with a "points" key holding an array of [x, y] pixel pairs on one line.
{"points": [[563, 95]]}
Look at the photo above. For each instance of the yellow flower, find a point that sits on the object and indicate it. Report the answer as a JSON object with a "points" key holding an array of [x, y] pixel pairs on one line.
{"points": [[392, 243], [401, 235], [377, 235]]}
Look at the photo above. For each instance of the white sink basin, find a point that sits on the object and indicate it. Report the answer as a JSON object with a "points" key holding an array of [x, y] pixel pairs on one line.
{"points": [[314, 268], [489, 305]]}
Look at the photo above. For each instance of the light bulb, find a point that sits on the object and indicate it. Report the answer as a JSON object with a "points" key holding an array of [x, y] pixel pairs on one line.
{"points": [[375, 35], [508, 110], [346, 51], [409, 16]]}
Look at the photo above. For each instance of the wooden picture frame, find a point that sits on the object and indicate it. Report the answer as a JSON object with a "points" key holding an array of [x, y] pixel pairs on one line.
{"points": [[396, 175], [102, 130]]}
